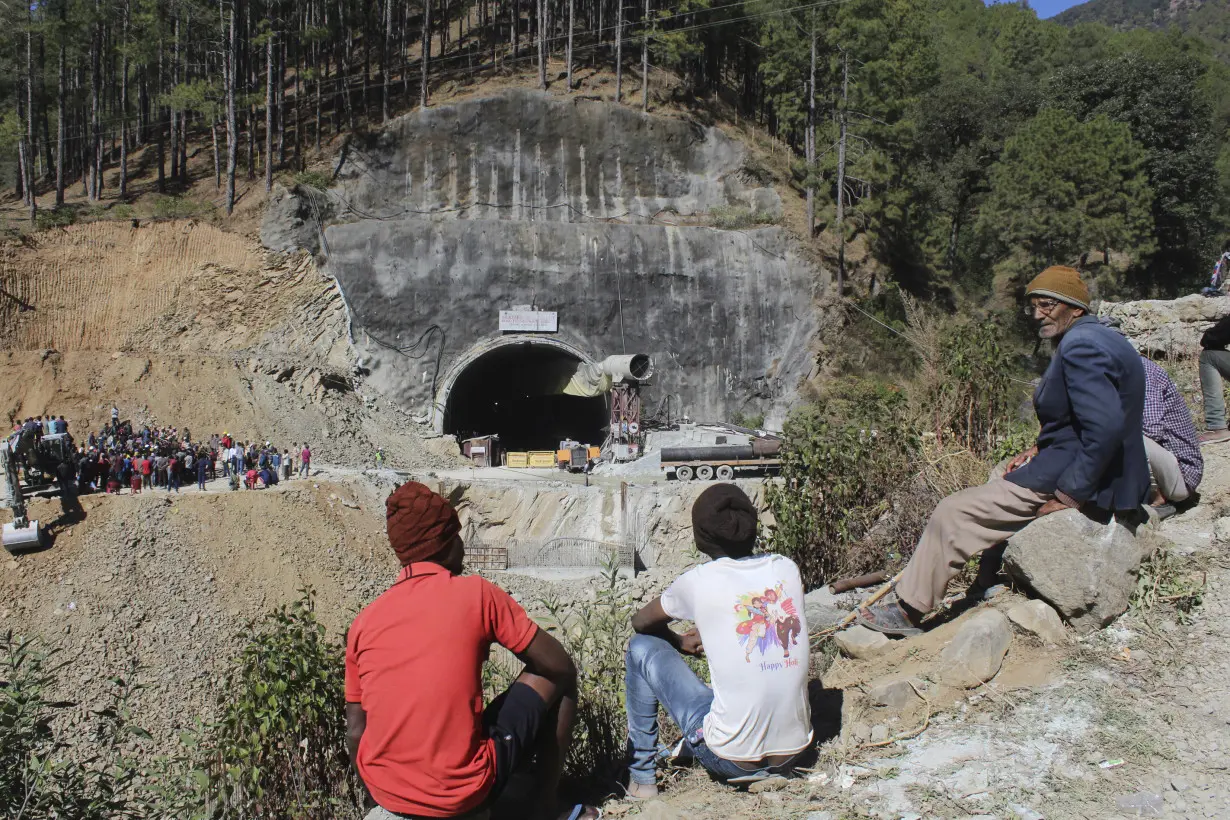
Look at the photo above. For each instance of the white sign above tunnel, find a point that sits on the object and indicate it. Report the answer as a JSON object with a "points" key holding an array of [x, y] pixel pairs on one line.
{"points": [[533, 321]]}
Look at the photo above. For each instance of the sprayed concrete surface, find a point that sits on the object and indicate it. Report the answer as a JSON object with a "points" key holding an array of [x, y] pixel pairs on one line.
{"points": [[594, 211]]}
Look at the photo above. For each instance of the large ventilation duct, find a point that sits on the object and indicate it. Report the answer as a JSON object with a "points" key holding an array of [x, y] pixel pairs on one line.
{"points": [[594, 379]]}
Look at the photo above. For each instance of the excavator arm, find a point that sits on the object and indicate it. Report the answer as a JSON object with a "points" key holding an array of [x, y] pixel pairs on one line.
{"points": [[21, 533]]}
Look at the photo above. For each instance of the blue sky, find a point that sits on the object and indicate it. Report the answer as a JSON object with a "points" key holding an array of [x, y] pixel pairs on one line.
{"points": [[1049, 8]]}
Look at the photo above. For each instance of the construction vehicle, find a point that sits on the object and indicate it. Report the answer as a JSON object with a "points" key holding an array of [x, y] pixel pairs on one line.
{"points": [[723, 462], [40, 457], [574, 456]]}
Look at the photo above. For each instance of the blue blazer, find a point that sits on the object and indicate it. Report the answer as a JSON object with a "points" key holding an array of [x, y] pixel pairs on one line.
{"points": [[1089, 403]]}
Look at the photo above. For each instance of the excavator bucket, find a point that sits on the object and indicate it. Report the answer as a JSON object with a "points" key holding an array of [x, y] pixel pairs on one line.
{"points": [[19, 539]]}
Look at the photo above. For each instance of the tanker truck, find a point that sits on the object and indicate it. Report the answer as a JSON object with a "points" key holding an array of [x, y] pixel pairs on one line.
{"points": [[723, 462]]}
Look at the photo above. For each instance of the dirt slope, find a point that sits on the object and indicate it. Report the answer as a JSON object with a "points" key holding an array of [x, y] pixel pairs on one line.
{"points": [[181, 323], [169, 581]]}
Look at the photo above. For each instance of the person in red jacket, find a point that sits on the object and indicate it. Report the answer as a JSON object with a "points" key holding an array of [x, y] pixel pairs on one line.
{"points": [[416, 728]]}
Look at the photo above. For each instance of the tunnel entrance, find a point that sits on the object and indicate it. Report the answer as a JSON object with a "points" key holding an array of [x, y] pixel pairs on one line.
{"points": [[513, 391]]}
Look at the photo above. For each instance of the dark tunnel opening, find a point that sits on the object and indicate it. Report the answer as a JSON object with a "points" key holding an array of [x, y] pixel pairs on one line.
{"points": [[512, 392]]}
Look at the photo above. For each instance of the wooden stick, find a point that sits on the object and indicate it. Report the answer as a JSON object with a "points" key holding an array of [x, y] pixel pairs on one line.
{"points": [[858, 582], [849, 619]]}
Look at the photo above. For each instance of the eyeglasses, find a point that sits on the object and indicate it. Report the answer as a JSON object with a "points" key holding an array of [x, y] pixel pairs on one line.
{"points": [[1043, 306]]}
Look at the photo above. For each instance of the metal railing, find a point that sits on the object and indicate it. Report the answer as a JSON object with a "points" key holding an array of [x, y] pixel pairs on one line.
{"points": [[555, 552]]}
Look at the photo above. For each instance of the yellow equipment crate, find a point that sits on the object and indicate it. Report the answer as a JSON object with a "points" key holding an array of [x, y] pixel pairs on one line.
{"points": [[542, 458]]}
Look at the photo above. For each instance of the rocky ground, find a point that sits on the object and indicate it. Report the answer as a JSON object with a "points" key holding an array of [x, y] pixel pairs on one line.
{"points": [[1111, 724], [1128, 721]]}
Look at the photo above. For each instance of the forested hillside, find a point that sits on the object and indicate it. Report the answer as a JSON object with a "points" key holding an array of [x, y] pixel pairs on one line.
{"points": [[970, 144], [1206, 19]]}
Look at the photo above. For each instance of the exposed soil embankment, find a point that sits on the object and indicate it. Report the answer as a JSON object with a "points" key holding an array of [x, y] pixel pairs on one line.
{"points": [[181, 323], [167, 582]]}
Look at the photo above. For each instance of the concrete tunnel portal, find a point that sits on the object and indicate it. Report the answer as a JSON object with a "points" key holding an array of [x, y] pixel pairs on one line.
{"points": [[515, 391]]}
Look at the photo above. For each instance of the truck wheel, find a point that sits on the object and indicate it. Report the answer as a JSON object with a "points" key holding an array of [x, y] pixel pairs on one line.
{"points": [[683, 473], [704, 472], [725, 472]]}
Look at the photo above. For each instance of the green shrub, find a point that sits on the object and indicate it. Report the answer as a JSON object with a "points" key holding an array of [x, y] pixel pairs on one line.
{"points": [[278, 748], [313, 179], [60, 217], [180, 207], [735, 217], [49, 768], [966, 391], [752, 421], [595, 633], [838, 479]]}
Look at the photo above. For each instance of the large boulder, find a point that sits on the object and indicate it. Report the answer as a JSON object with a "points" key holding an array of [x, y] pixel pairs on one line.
{"points": [[1039, 619], [822, 610], [859, 642], [1084, 568], [1166, 326], [975, 655]]}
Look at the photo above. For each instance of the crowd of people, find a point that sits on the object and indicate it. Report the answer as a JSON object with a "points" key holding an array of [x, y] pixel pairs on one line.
{"points": [[122, 458]]}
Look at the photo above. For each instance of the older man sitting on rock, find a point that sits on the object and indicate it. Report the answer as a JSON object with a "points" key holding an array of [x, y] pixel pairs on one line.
{"points": [[1090, 451]]}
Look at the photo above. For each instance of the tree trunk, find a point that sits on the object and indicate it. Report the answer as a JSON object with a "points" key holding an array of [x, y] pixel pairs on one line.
{"points": [[319, 71], [171, 81], [645, 61], [811, 138], [213, 135], [31, 141], [43, 118], [384, 61], [96, 110], [24, 173], [269, 113], [124, 109], [61, 126], [542, 44], [425, 57], [619, 49], [571, 12], [162, 179], [232, 126], [280, 93], [841, 176]]}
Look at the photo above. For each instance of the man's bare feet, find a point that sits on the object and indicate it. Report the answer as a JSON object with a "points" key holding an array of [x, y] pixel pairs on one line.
{"points": [[642, 791], [1213, 436]]}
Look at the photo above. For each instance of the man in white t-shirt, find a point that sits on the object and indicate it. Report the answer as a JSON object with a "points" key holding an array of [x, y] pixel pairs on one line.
{"points": [[748, 613]]}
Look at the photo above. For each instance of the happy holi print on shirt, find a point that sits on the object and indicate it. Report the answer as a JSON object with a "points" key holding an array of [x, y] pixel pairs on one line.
{"points": [[767, 619]]}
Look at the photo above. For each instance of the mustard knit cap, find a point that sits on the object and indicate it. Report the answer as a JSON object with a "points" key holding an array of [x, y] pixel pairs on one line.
{"points": [[1062, 283]]}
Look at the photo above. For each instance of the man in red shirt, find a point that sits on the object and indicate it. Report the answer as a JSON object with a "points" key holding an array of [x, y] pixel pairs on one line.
{"points": [[416, 728]]}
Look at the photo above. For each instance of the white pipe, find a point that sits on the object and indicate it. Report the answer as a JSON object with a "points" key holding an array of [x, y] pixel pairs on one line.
{"points": [[635, 367]]}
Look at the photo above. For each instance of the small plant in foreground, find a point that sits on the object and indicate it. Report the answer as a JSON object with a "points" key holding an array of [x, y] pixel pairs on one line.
{"points": [[1163, 580], [51, 766], [279, 747], [596, 636], [838, 480]]}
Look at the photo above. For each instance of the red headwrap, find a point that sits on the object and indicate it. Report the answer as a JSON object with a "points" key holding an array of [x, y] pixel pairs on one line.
{"points": [[420, 522]]}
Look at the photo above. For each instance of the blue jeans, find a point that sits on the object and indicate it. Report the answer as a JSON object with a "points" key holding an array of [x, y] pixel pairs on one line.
{"points": [[1214, 365], [657, 673]]}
